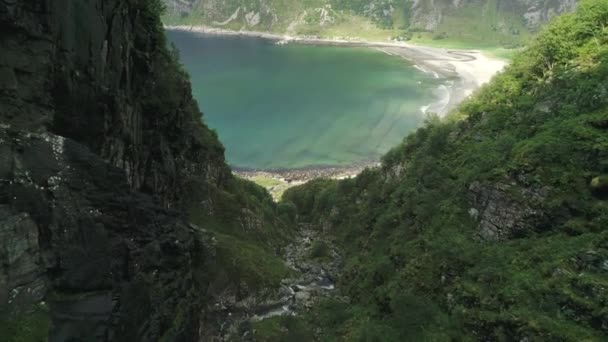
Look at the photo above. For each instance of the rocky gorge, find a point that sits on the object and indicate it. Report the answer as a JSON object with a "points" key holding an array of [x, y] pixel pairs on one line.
{"points": [[120, 220], [314, 265]]}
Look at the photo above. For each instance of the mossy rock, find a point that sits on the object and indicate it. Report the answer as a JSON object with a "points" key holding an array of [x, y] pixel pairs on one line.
{"points": [[599, 186]]}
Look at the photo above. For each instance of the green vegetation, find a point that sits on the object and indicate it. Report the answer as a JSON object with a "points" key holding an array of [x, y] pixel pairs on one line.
{"points": [[282, 329], [487, 23], [237, 217], [248, 230], [240, 215], [266, 181], [320, 250], [28, 326], [526, 154], [275, 186], [481, 24], [241, 261]]}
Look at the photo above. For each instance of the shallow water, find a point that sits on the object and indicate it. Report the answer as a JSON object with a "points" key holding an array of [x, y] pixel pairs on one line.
{"points": [[292, 106]]}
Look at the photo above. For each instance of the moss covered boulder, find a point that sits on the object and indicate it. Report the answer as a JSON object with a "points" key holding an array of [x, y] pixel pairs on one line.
{"points": [[599, 186]]}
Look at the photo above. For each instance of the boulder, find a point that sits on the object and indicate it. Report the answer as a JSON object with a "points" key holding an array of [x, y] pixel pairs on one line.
{"points": [[599, 186], [504, 211]]}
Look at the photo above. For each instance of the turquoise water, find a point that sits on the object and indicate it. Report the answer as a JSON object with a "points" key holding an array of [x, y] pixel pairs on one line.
{"points": [[292, 106]]}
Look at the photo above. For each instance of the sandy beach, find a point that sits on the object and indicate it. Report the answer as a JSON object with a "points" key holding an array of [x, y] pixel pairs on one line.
{"points": [[304, 174], [464, 71], [276, 181]]}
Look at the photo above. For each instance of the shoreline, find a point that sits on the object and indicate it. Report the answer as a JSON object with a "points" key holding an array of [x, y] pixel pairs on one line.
{"points": [[304, 174], [277, 181], [464, 72]]}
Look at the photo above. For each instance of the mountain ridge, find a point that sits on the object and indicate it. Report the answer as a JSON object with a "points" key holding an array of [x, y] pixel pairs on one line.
{"points": [[505, 23]]}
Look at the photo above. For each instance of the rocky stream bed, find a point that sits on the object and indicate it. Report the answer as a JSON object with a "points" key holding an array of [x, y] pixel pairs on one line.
{"points": [[313, 279]]}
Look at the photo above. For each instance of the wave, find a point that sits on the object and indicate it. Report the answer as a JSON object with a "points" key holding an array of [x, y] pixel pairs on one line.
{"points": [[427, 71], [443, 93]]}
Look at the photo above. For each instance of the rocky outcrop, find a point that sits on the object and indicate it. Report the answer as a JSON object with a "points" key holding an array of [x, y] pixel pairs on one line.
{"points": [[98, 72], [505, 211], [117, 264], [181, 7], [22, 280], [599, 186], [428, 15], [311, 280]]}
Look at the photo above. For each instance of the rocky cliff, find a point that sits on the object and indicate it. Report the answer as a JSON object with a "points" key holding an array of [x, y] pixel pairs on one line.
{"points": [[100, 74], [103, 155], [532, 13]]}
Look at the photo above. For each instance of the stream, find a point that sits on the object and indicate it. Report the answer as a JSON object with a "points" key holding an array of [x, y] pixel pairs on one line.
{"points": [[313, 280]]}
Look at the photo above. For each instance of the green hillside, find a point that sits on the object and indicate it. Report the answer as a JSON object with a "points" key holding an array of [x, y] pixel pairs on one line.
{"points": [[481, 23], [489, 226]]}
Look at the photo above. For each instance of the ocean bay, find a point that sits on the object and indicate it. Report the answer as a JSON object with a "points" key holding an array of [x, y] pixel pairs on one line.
{"points": [[300, 106]]}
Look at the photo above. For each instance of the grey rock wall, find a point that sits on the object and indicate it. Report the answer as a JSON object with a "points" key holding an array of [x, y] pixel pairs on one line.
{"points": [[99, 136], [93, 71]]}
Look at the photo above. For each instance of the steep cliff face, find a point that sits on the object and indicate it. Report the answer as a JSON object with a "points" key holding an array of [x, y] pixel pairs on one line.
{"points": [[107, 263], [453, 18], [103, 155], [99, 73]]}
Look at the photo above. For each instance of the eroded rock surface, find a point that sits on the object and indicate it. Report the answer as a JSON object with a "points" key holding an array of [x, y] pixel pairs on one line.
{"points": [[100, 141], [505, 211], [113, 260], [97, 72]]}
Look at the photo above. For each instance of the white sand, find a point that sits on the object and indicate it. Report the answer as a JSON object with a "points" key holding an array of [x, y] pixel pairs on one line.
{"points": [[469, 70]]}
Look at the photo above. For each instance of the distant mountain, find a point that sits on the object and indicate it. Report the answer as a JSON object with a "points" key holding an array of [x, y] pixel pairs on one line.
{"points": [[504, 22]]}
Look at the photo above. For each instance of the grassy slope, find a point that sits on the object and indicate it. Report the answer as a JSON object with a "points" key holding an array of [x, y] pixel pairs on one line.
{"points": [[482, 24], [416, 268], [249, 229]]}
